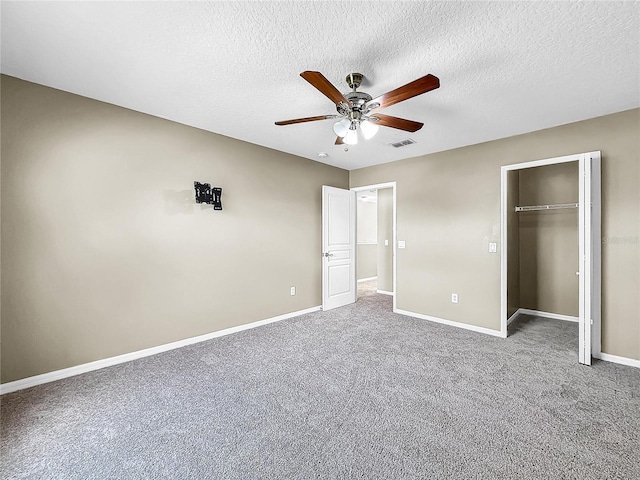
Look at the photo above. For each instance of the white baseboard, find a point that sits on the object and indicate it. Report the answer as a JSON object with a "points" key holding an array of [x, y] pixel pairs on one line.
{"points": [[538, 313], [384, 292], [127, 357], [367, 279], [466, 326], [616, 359], [513, 317]]}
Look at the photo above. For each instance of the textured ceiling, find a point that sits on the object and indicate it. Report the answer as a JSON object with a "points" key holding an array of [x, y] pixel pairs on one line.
{"points": [[233, 67]]}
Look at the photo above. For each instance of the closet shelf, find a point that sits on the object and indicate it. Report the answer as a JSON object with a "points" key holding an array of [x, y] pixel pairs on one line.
{"points": [[557, 206]]}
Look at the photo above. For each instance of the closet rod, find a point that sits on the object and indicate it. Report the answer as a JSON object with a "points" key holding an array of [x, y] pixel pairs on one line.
{"points": [[531, 208]]}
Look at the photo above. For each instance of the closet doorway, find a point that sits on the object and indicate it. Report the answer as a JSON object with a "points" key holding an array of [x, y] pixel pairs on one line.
{"points": [[550, 234], [375, 236]]}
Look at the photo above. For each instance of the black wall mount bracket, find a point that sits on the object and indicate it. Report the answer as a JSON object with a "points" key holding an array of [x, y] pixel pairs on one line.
{"points": [[207, 194]]}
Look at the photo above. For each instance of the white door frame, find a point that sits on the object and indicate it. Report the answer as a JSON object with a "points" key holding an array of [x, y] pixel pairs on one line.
{"points": [[379, 186], [589, 248]]}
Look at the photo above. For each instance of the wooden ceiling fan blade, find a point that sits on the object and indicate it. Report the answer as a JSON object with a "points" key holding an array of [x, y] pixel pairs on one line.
{"points": [[395, 122], [306, 119], [325, 86], [339, 141], [412, 89]]}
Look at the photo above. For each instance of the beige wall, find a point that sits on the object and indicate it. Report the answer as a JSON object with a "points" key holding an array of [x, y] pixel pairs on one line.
{"points": [[366, 260], [367, 227], [367, 221], [548, 240], [385, 232], [448, 210], [104, 250]]}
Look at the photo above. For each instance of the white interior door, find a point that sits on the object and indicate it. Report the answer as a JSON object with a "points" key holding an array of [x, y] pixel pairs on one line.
{"points": [[589, 257], [338, 247]]}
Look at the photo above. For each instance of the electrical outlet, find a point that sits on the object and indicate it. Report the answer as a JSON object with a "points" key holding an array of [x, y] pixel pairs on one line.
{"points": [[454, 298], [293, 291], [493, 247]]}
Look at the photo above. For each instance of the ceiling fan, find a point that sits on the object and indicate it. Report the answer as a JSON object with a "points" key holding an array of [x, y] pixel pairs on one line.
{"points": [[358, 109]]}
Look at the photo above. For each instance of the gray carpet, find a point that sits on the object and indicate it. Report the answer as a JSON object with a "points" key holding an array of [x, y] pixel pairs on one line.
{"points": [[354, 393]]}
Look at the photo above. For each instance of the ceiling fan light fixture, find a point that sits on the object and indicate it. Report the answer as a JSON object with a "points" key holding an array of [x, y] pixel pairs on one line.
{"points": [[351, 138], [368, 129], [354, 107], [342, 127]]}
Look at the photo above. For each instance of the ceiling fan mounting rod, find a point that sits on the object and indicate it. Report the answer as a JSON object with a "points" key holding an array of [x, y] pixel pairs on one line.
{"points": [[354, 80]]}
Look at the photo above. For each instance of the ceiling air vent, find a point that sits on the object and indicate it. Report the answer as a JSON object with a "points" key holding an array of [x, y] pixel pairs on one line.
{"points": [[403, 143]]}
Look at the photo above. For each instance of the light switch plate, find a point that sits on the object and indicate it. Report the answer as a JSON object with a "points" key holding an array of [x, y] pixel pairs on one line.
{"points": [[401, 244], [386, 243], [493, 247]]}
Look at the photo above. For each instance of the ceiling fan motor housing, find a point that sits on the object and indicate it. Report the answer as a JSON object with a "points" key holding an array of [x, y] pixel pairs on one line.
{"points": [[356, 109], [357, 101]]}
